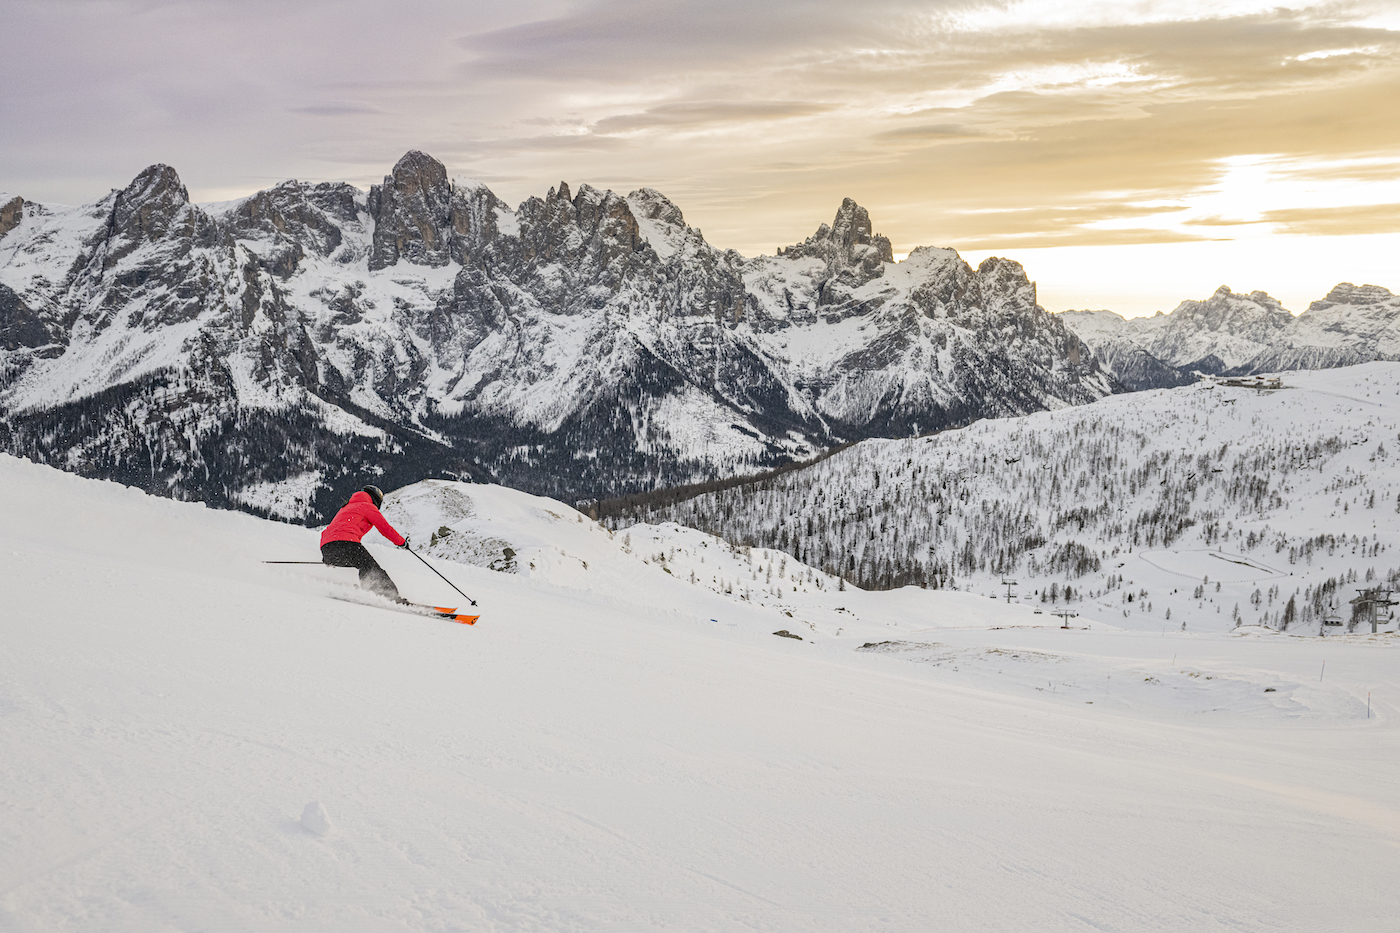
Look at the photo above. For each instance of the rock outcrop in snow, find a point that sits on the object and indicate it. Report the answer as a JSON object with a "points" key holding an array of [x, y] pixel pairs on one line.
{"points": [[11, 212]]}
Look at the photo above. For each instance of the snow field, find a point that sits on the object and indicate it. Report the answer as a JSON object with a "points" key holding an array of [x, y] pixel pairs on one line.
{"points": [[584, 759]]}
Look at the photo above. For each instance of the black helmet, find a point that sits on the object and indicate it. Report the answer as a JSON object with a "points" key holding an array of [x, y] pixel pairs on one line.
{"points": [[376, 494]]}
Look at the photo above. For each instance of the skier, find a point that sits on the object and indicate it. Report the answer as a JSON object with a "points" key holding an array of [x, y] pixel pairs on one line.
{"points": [[341, 547]]}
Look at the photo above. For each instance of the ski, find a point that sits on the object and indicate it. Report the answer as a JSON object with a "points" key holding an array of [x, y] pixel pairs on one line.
{"points": [[418, 609]]}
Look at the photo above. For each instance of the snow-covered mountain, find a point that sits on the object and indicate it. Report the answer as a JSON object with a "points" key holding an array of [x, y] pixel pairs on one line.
{"points": [[1243, 334], [1204, 506], [272, 351], [1353, 324], [1119, 347]]}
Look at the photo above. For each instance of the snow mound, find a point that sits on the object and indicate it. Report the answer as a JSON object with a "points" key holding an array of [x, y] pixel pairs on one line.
{"points": [[504, 529], [315, 820]]}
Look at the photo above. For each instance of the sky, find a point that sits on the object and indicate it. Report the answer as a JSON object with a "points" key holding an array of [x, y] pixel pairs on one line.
{"points": [[1130, 154]]}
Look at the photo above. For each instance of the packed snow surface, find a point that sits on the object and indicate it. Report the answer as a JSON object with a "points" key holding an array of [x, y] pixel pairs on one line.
{"points": [[193, 739]]}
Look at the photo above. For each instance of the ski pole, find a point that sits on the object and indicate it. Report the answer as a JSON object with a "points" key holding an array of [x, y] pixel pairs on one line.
{"points": [[435, 570]]}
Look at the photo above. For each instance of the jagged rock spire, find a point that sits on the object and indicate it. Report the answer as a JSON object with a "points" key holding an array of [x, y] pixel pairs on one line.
{"points": [[852, 251], [852, 228], [412, 213]]}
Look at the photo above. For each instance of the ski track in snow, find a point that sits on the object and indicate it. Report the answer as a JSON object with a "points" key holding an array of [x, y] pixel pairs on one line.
{"points": [[594, 755]]}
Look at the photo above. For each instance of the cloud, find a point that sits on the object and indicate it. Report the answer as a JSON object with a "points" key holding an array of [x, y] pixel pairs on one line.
{"points": [[560, 142], [934, 131], [698, 114], [1337, 221], [632, 39], [335, 109], [1076, 237]]}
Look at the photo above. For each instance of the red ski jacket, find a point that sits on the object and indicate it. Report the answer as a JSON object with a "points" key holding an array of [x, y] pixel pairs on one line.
{"points": [[355, 520]]}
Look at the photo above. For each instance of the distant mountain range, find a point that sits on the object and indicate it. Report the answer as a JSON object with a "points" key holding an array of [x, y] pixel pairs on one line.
{"points": [[273, 352], [1243, 334]]}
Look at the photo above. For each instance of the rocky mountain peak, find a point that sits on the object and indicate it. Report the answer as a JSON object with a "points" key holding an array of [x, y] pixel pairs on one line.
{"points": [[852, 253], [579, 344], [1224, 295], [1234, 334], [1007, 272], [11, 213], [852, 229], [298, 218], [1265, 300], [592, 233], [1343, 293], [1229, 309], [650, 204], [157, 181], [412, 213], [148, 207], [154, 209]]}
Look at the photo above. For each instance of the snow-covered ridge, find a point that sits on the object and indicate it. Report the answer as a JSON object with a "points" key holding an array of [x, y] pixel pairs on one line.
{"points": [[1206, 506], [582, 344]]}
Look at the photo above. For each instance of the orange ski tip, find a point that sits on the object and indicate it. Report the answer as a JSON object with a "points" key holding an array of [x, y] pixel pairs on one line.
{"points": [[467, 620], [450, 610]]}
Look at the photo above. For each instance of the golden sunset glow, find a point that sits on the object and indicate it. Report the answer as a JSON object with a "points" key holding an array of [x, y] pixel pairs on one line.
{"points": [[1130, 154]]}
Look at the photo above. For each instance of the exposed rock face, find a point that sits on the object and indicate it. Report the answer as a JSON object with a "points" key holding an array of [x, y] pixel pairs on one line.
{"points": [[20, 325], [273, 353], [412, 213], [297, 218], [853, 253], [149, 208], [1358, 296], [11, 213], [1242, 335]]}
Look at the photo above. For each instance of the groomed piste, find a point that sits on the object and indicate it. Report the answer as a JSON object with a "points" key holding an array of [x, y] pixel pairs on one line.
{"points": [[191, 739]]}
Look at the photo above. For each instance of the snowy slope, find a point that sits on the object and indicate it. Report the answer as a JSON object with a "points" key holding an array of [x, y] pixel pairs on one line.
{"points": [[664, 565], [175, 715], [1134, 502]]}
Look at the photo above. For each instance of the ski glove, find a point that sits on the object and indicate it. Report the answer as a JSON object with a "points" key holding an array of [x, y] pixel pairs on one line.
{"points": [[405, 542]]}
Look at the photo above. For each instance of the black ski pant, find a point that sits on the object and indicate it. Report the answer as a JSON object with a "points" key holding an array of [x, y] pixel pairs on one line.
{"points": [[354, 554]]}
